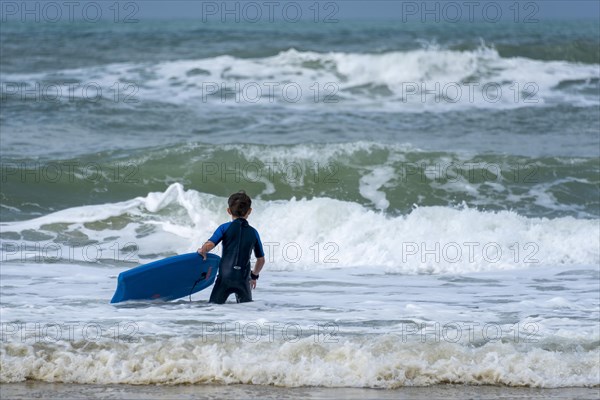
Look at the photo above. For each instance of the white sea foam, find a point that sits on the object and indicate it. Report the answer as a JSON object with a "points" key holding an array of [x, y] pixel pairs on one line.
{"points": [[382, 362], [430, 79], [355, 327], [371, 183], [429, 240]]}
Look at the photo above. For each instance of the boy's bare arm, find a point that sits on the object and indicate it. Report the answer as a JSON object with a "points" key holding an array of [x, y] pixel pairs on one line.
{"points": [[260, 262], [206, 247]]}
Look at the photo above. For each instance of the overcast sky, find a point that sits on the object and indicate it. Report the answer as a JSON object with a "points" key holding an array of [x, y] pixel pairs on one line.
{"points": [[377, 9], [527, 11]]}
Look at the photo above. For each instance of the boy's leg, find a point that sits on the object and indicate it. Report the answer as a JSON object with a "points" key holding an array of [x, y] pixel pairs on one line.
{"points": [[219, 293], [243, 293]]}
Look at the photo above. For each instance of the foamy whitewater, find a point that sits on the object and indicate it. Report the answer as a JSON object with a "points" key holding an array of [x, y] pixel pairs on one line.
{"points": [[351, 297], [428, 79], [413, 236]]}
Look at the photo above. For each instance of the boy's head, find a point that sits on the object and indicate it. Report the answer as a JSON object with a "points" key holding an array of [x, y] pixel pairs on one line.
{"points": [[239, 204]]}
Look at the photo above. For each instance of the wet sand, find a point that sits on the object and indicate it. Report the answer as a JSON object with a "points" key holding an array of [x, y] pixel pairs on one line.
{"points": [[40, 390]]}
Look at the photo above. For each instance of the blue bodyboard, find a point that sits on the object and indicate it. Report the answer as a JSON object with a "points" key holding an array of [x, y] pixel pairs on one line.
{"points": [[168, 279]]}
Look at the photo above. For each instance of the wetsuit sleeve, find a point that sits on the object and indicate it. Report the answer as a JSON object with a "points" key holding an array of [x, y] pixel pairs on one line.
{"points": [[258, 247], [219, 233]]}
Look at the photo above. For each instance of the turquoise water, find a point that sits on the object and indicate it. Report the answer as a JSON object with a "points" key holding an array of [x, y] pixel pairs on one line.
{"points": [[94, 116]]}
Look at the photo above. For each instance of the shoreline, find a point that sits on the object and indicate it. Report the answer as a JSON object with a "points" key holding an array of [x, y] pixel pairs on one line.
{"points": [[35, 389]]}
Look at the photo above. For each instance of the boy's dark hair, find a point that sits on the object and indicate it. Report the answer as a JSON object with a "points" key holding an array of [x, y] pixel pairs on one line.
{"points": [[239, 204]]}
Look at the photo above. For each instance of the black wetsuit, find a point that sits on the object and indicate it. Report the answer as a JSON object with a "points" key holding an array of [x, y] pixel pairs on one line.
{"points": [[239, 239]]}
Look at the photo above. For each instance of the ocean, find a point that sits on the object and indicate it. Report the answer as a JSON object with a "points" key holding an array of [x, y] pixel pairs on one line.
{"points": [[427, 196]]}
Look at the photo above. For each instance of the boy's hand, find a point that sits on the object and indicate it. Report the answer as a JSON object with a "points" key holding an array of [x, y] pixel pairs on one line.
{"points": [[253, 283], [206, 247]]}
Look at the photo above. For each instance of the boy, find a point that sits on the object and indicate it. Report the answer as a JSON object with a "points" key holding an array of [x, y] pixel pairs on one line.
{"points": [[239, 239]]}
